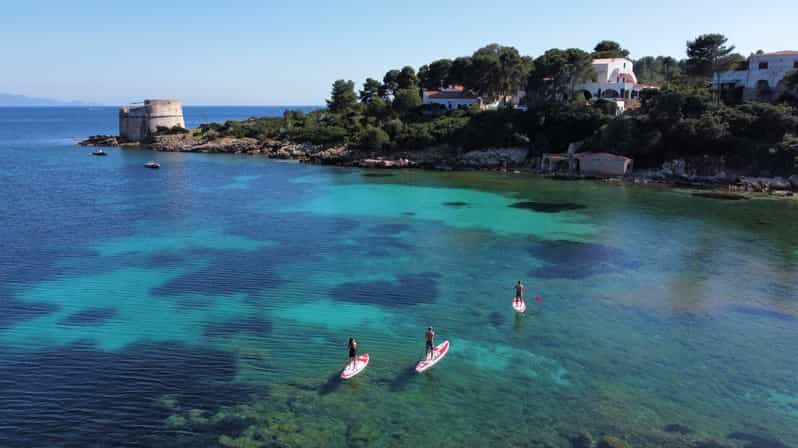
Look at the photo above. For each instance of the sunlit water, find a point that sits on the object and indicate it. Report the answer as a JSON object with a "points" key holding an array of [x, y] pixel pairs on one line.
{"points": [[209, 302]]}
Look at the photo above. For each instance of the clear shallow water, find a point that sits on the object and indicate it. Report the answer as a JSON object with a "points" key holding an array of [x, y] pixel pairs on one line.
{"points": [[209, 302]]}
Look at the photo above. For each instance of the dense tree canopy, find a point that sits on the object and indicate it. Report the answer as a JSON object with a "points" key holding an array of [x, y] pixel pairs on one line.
{"points": [[390, 82], [708, 53], [651, 70], [554, 75], [609, 49], [406, 100], [496, 71], [435, 75], [342, 96], [407, 78], [371, 90], [460, 71]]}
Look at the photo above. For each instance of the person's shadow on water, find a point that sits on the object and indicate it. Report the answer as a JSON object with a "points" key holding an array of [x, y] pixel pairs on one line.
{"points": [[403, 379], [332, 384]]}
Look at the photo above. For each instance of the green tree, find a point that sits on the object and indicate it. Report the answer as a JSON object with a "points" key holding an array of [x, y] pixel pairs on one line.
{"points": [[371, 90], [791, 80], [555, 73], [406, 100], [434, 75], [609, 49], [460, 71], [390, 82], [707, 54], [496, 71], [407, 78], [343, 96]]}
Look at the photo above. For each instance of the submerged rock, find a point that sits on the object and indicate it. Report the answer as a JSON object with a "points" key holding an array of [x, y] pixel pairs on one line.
{"points": [[709, 444], [548, 207], [720, 195], [757, 441], [611, 442], [455, 204], [378, 175], [583, 440], [677, 428]]}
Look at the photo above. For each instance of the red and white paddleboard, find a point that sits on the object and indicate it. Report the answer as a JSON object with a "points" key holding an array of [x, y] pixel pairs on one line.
{"points": [[437, 354], [519, 306], [353, 368]]}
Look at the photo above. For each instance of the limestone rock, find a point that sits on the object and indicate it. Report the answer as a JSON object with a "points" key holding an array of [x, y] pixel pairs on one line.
{"points": [[100, 140], [765, 183], [611, 442], [583, 440]]}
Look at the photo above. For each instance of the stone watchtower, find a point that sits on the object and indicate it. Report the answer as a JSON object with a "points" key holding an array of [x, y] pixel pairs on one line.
{"points": [[139, 123]]}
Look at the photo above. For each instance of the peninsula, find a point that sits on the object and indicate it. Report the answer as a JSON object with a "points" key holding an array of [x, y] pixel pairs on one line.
{"points": [[567, 112]]}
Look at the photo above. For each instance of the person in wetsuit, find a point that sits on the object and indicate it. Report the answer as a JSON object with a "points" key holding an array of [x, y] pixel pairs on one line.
{"points": [[519, 293], [430, 338], [352, 350]]}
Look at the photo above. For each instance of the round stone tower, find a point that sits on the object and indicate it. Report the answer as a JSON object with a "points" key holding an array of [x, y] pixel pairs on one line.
{"points": [[139, 123]]}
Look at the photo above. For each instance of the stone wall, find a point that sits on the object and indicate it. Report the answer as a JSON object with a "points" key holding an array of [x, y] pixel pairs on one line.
{"points": [[137, 124]]}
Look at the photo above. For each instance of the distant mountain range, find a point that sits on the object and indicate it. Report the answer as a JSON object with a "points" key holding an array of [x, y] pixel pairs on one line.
{"points": [[9, 100]]}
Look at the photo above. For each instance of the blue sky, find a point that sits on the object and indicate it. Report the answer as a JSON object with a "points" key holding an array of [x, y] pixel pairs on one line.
{"points": [[289, 52]]}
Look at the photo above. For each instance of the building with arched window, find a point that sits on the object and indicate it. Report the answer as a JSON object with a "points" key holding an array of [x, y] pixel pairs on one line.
{"points": [[615, 79], [763, 80]]}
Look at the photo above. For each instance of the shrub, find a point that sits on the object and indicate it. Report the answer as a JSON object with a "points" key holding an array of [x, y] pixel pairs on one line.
{"points": [[373, 138]]}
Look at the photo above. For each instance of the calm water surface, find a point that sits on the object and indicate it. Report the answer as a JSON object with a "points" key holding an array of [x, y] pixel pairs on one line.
{"points": [[208, 303]]}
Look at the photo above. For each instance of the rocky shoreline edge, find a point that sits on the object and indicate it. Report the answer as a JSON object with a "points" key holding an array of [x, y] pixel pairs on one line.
{"points": [[700, 174]]}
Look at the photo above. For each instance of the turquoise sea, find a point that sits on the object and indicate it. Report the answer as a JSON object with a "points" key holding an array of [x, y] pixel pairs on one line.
{"points": [[208, 303]]}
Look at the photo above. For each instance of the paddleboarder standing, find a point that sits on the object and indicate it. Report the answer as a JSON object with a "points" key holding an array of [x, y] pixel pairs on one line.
{"points": [[519, 293], [352, 350], [430, 338]]}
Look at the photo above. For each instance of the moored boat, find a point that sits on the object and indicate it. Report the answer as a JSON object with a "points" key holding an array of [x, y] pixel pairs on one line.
{"points": [[99, 152], [152, 165]]}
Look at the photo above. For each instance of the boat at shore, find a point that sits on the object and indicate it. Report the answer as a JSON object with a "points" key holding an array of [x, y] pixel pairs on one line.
{"points": [[152, 165]]}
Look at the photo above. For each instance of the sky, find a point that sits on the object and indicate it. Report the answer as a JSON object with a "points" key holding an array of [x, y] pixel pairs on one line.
{"points": [[289, 52]]}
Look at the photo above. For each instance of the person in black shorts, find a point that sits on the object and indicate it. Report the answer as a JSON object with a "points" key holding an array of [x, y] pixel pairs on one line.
{"points": [[519, 293], [352, 350], [430, 337]]}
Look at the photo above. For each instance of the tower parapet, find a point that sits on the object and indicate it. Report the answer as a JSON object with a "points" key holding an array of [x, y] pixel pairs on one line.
{"points": [[139, 123]]}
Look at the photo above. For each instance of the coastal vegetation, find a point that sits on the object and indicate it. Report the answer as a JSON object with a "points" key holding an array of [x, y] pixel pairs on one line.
{"points": [[682, 118]]}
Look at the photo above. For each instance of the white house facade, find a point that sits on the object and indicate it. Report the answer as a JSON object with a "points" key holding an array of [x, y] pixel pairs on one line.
{"points": [[764, 78], [615, 80], [451, 98]]}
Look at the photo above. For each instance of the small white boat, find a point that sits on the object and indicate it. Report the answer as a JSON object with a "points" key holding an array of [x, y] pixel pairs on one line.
{"points": [[152, 165], [99, 152]]}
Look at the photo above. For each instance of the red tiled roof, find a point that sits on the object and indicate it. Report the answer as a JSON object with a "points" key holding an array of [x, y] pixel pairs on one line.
{"points": [[782, 53]]}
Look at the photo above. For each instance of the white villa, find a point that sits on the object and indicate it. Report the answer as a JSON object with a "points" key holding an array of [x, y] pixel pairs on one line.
{"points": [[451, 98], [764, 78], [615, 80]]}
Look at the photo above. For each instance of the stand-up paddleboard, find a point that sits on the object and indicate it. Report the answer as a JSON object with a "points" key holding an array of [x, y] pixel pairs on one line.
{"points": [[437, 354], [519, 306], [353, 368]]}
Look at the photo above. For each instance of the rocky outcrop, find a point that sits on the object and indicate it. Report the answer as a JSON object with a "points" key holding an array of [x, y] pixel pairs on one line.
{"points": [[100, 140], [764, 184]]}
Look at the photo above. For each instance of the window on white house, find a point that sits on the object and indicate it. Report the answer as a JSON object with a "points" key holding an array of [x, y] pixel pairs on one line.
{"points": [[763, 65]]}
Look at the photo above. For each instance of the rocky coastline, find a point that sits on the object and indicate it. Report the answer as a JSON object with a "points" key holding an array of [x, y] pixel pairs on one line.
{"points": [[701, 173]]}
